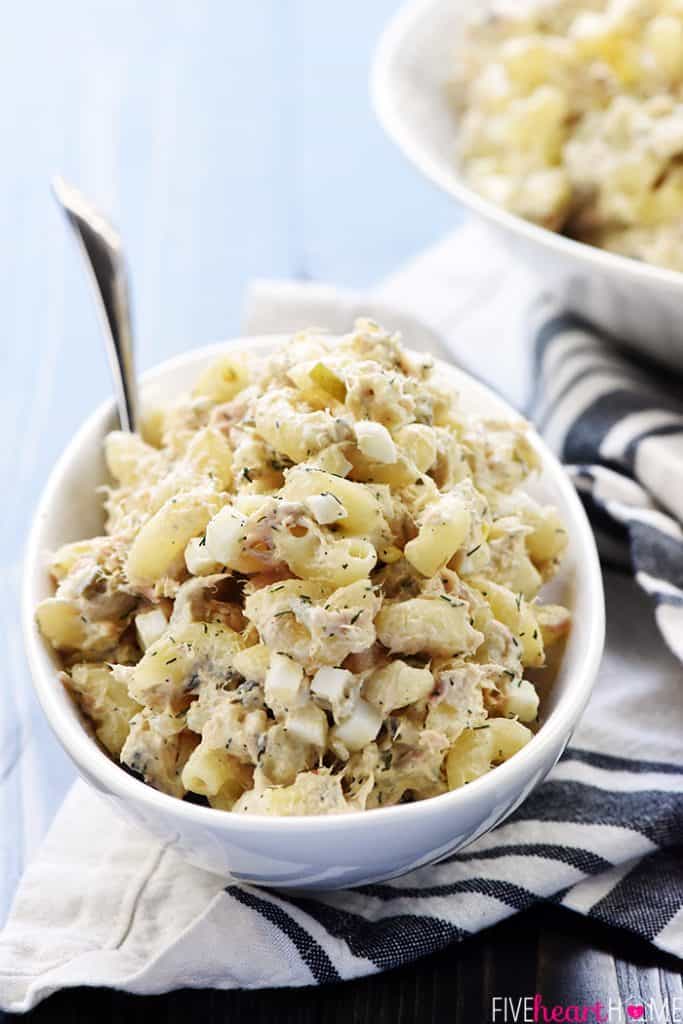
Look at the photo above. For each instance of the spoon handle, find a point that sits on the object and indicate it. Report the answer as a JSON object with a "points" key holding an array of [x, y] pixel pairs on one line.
{"points": [[103, 254]]}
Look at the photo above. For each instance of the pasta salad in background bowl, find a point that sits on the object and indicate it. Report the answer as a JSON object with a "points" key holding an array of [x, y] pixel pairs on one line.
{"points": [[331, 587], [560, 123], [571, 116]]}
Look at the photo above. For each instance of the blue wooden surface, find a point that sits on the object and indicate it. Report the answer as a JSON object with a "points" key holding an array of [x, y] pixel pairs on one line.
{"points": [[227, 140]]}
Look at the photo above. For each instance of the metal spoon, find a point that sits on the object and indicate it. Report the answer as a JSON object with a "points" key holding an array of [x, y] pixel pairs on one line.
{"points": [[101, 246]]}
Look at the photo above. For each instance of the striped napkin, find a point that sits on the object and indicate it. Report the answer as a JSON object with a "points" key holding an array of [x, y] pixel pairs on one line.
{"points": [[618, 426], [104, 905]]}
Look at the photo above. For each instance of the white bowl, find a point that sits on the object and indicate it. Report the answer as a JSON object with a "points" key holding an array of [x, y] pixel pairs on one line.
{"points": [[635, 302], [300, 852]]}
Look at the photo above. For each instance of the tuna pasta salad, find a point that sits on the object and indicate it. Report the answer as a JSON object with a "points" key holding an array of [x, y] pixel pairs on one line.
{"points": [[317, 590], [572, 117]]}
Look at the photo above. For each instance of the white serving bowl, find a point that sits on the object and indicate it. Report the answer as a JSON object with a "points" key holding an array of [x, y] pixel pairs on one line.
{"points": [[314, 852], [634, 302]]}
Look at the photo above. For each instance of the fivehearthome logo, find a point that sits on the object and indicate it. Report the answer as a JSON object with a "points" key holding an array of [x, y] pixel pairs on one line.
{"points": [[535, 1010]]}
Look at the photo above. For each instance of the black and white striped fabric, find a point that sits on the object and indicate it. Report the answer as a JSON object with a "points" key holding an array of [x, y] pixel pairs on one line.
{"points": [[618, 426], [603, 835]]}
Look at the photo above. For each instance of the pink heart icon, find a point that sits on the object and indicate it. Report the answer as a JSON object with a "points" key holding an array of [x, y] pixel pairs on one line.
{"points": [[635, 1012]]}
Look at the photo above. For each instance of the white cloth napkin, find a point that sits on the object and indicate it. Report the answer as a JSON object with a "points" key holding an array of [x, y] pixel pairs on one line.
{"points": [[104, 905]]}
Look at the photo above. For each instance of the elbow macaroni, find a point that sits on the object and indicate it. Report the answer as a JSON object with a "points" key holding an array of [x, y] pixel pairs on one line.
{"points": [[317, 590]]}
